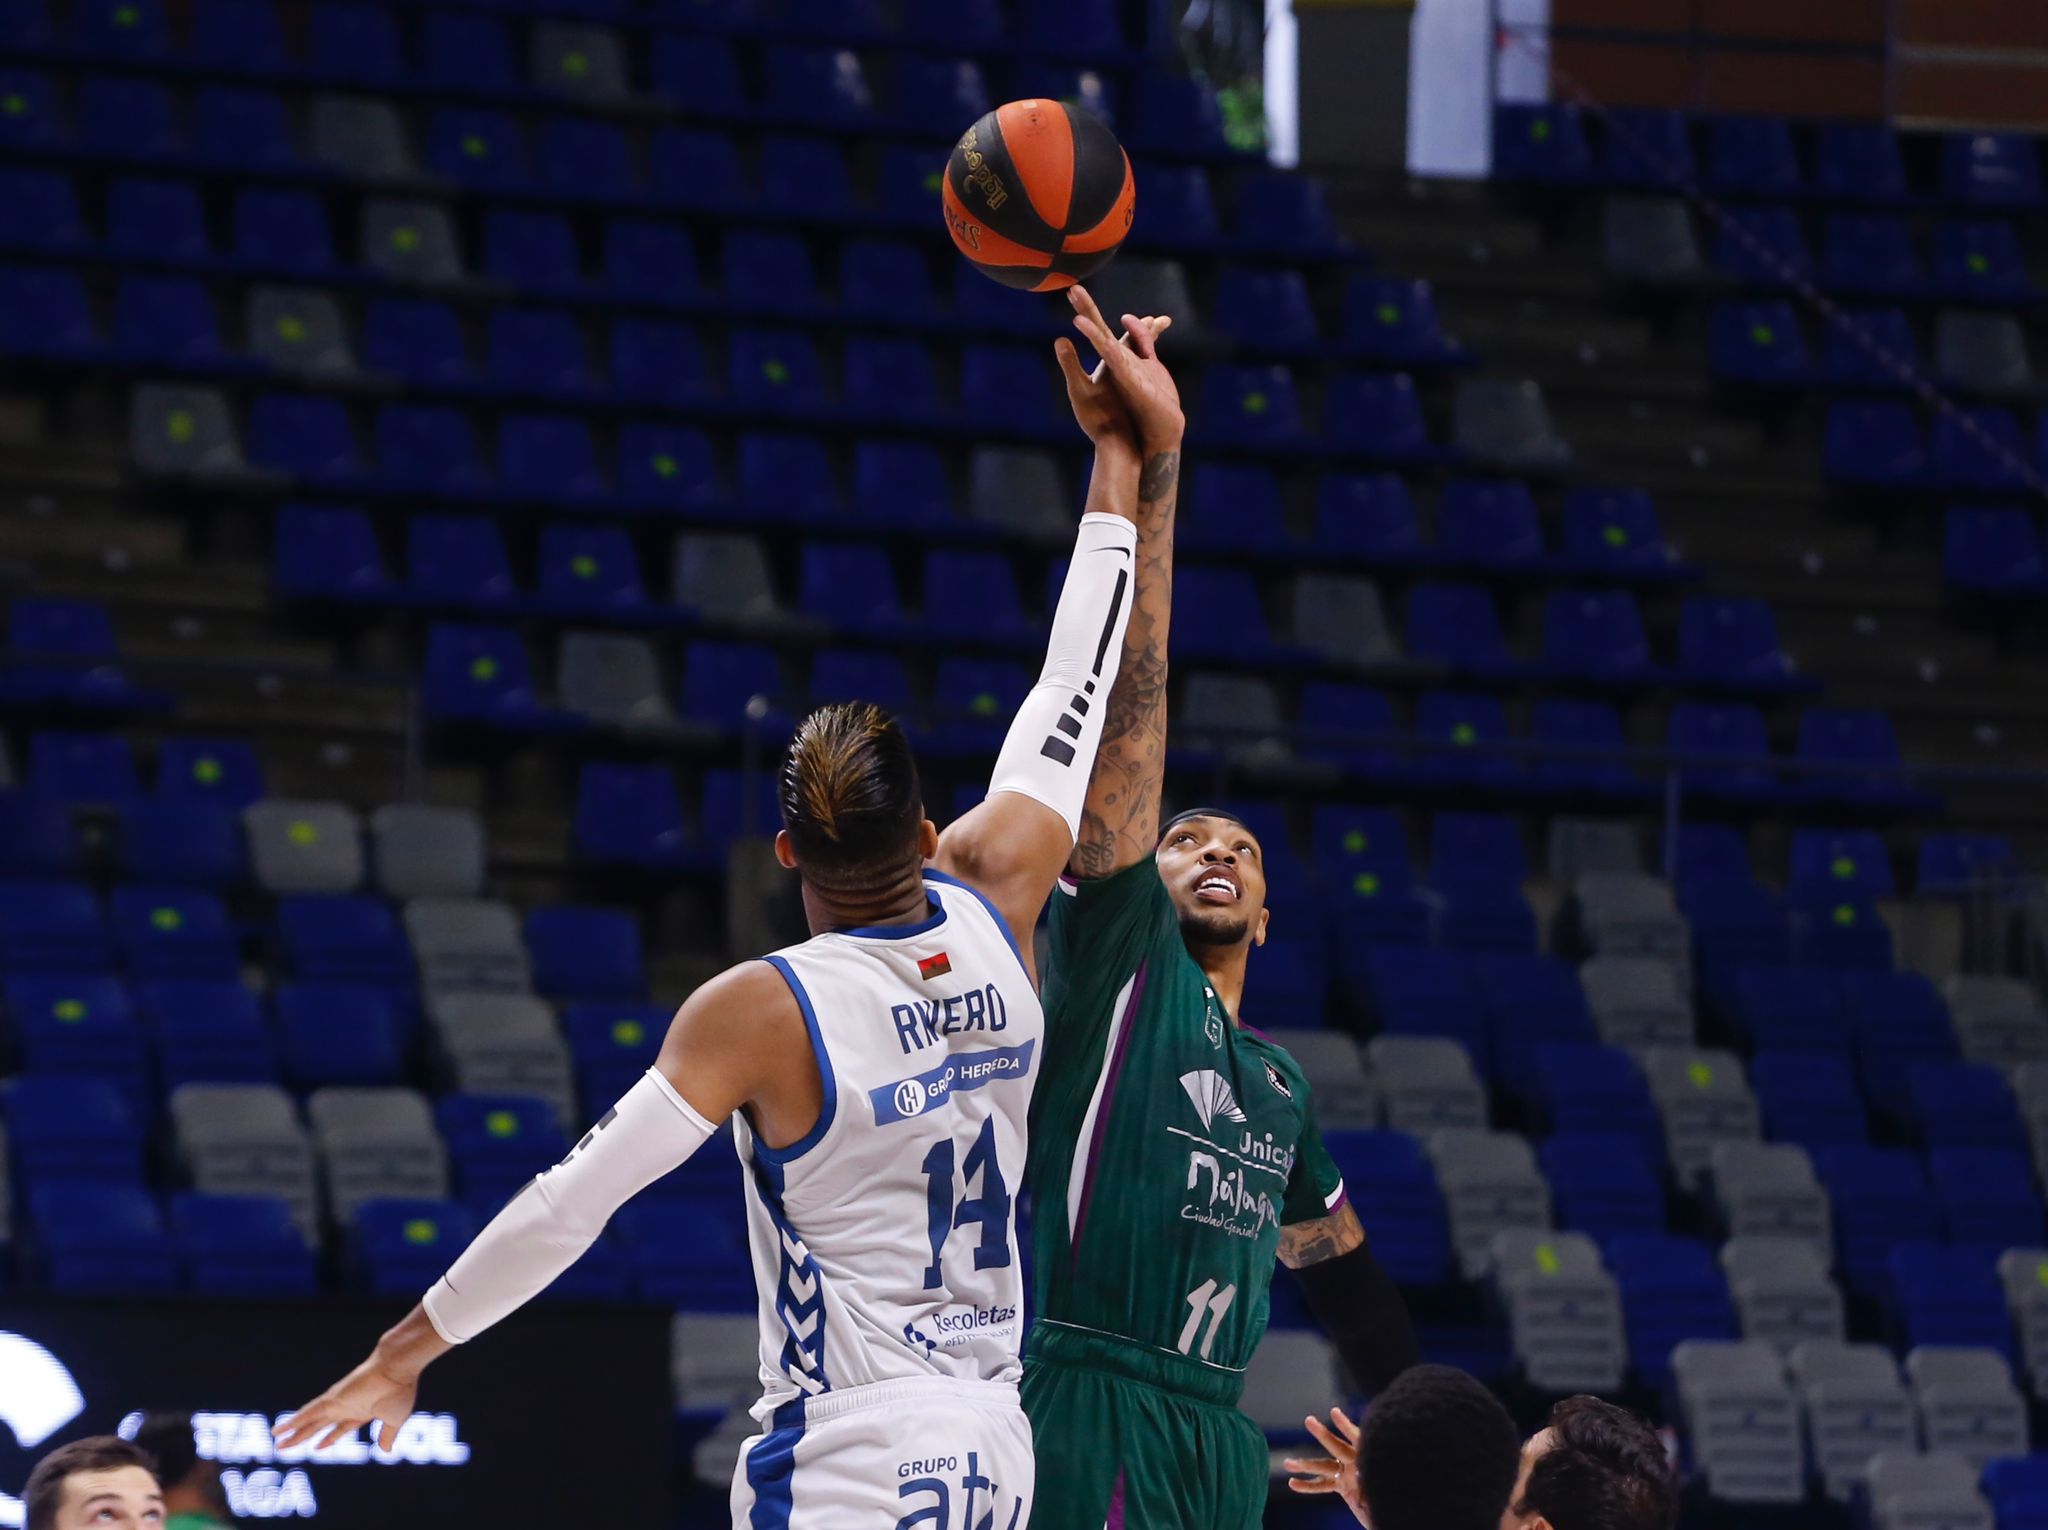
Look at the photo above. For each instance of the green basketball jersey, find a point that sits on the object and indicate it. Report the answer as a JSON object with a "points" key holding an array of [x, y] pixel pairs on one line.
{"points": [[1168, 1144]]}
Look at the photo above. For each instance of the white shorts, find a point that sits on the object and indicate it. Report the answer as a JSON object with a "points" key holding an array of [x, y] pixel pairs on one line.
{"points": [[929, 1453]]}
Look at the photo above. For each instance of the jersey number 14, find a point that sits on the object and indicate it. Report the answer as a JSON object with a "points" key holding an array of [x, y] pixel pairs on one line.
{"points": [[991, 1208]]}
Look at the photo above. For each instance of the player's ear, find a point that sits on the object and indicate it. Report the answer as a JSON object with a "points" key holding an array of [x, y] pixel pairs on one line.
{"points": [[1259, 931], [785, 852], [927, 840]]}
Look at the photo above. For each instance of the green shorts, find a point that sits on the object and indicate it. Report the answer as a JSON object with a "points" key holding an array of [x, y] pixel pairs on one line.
{"points": [[1128, 1436]]}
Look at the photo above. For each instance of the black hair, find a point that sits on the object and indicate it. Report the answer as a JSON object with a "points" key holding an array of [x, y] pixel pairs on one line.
{"points": [[850, 797], [44, 1494], [168, 1437], [1606, 1469], [1437, 1451], [1201, 812]]}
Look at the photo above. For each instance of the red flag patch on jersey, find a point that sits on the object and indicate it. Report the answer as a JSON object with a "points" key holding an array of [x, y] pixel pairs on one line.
{"points": [[934, 966]]}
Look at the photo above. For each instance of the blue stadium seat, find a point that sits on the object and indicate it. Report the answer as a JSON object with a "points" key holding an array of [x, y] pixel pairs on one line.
{"points": [[33, 120], [694, 169], [175, 932], [1954, 862], [1672, 1290], [156, 220], [45, 314], [238, 37], [1808, 1098], [1177, 211], [338, 1033], [400, 1247], [1391, 1183], [1858, 162], [181, 842], [787, 477], [1285, 212], [1597, 634], [1476, 847], [242, 130], [821, 86], [1585, 1087], [1705, 734], [1176, 114], [591, 571], [36, 835], [1530, 1001], [1991, 170], [720, 681], [666, 468], [417, 339], [697, 1259], [1394, 319], [845, 674], [901, 483], [1753, 156], [208, 770], [1841, 739], [1870, 256], [208, 1030], [647, 262], [1250, 406], [532, 252], [96, 768], [1871, 348], [1881, 1198], [327, 552], [134, 29], [1352, 727], [737, 805], [1736, 924], [477, 148], [2018, 1490], [1378, 415], [1980, 260], [1758, 343], [1790, 1009], [496, 1143], [775, 371], [283, 231], [1232, 506], [1007, 382], [1978, 449], [1764, 247], [580, 952], [1987, 1196], [1246, 635], [341, 938], [769, 274], [119, 117], [1475, 906], [305, 438], [358, 44], [1647, 147], [551, 458], [537, 350], [1489, 521], [1997, 550], [891, 380], [1604, 1185], [465, 52], [480, 674], [1367, 514], [1567, 725], [885, 278], [973, 702], [75, 1024], [1899, 1020], [1545, 144], [974, 596], [582, 160], [612, 1045], [458, 560], [1456, 624], [63, 1129], [1264, 308], [630, 815], [935, 95], [658, 362], [427, 449], [98, 1240], [851, 587], [805, 177], [1948, 1296], [1732, 640], [39, 211], [1424, 993], [1963, 1104], [241, 1245]]}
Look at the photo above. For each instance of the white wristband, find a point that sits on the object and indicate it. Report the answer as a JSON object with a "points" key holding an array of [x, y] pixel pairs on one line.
{"points": [[547, 1226], [1051, 746]]}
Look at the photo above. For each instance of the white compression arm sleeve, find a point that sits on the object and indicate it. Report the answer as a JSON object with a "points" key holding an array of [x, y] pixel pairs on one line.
{"points": [[546, 1227], [1051, 746]]}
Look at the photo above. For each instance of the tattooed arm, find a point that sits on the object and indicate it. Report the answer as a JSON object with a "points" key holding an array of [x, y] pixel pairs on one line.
{"points": [[1120, 820], [1352, 1296]]}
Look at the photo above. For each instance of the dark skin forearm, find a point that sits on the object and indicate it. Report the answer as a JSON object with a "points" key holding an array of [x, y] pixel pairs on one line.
{"points": [[1120, 819]]}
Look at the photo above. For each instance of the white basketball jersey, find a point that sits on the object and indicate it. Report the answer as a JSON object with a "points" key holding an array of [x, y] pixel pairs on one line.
{"points": [[884, 1241]]}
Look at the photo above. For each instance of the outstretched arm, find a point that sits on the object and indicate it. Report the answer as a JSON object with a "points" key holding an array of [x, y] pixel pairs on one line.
{"points": [[1012, 846], [1120, 819], [1352, 1296]]}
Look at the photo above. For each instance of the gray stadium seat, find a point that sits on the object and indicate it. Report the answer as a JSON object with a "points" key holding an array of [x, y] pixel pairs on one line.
{"points": [[247, 1139], [1136, 284], [1580, 845], [1236, 715], [179, 428], [1742, 1420], [1336, 1073], [467, 944], [362, 137], [1289, 1370], [1997, 1019], [1507, 423], [715, 1358], [1769, 1189], [1856, 1407], [584, 62], [715, 1458], [1704, 1099], [1019, 490], [1627, 914], [376, 1143], [411, 242], [1967, 1402], [1782, 1290], [2024, 1273], [1649, 239], [1936, 1491], [615, 680], [1564, 1310], [724, 577], [424, 852], [1638, 1001], [1491, 1185], [304, 847], [298, 331], [1343, 618], [1985, 352], [505, 1043], [1425, 1082]]}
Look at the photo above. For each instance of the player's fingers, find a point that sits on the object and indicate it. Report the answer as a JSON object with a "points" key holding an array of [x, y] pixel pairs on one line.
{"points": [[1104, 342], [1344, 1425], [301, 1425], [1312, 1484], [1330, 1442], [1078, 380], [387, 1434], [1140, 334]]}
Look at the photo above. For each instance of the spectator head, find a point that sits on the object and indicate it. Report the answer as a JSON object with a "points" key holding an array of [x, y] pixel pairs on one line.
{"points": [[98, 1483], [1437, 1451], [1596, 1467]]}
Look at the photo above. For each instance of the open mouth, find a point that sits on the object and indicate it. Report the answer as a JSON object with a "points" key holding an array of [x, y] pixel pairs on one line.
{"points": [[1218, 887]]}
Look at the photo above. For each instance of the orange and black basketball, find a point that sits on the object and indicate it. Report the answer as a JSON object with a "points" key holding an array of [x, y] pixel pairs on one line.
{"points": [[1039, 194]]}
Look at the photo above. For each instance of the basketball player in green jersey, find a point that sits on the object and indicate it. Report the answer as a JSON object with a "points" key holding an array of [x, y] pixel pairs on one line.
{"points": [[1174, 1151]]}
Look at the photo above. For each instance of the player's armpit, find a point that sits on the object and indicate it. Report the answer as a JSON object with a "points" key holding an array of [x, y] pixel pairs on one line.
{"points": [[740, 1040], [1306, 1243]]}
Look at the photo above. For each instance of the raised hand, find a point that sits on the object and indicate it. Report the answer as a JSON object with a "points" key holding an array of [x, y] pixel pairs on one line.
{"points": [[365, 1393], [1099, 408], [1338, 1471], [1141, 378]]}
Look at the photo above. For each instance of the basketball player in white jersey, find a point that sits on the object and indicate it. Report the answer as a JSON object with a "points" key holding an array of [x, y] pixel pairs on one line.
{"points": [[879, 1077]]}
